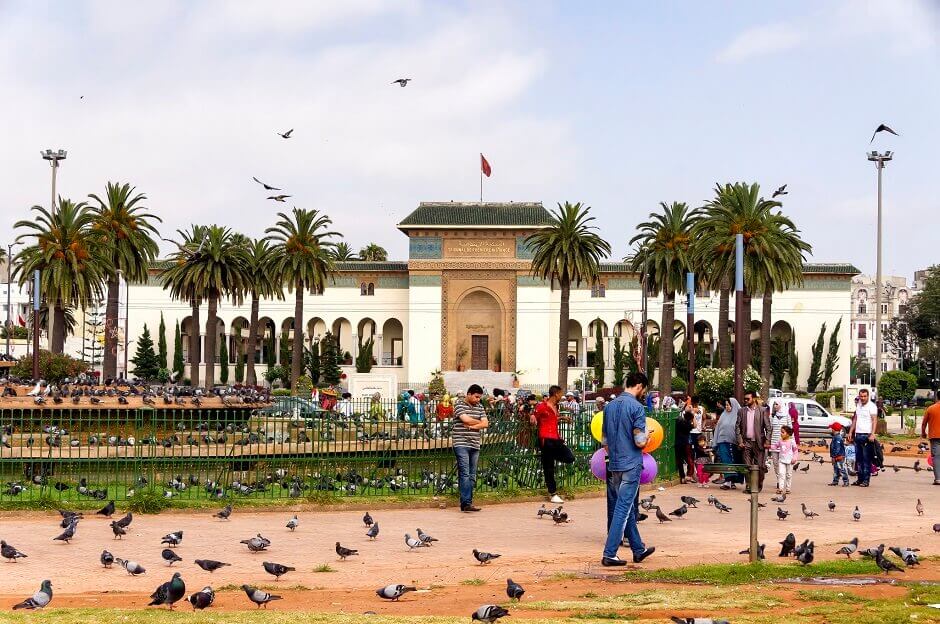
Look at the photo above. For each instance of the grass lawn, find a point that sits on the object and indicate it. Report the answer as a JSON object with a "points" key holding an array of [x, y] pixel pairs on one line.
{"points": [[740, 573]]}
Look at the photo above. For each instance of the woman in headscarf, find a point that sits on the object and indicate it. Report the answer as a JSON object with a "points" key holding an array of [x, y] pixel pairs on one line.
{"points": [[725, 438], [795, 422], [778, 418]]}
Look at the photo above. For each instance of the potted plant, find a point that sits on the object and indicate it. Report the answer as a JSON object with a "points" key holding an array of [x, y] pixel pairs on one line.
{"points": [[461, 354]]}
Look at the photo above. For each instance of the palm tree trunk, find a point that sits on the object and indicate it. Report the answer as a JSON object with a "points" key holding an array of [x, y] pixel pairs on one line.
{"points": [[211, 334], [252, 340], [298, 342], [194, 350], [666, 344], [724, 336], [109, 363], [765, 328], [58, 329], [564, 311], [746, 350]]}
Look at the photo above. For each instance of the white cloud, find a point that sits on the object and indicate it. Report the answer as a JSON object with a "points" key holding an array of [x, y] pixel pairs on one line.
{"points": [[761, 40]]}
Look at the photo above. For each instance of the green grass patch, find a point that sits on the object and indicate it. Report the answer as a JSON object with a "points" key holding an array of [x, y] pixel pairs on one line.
{"points": [[564, 576], [324, 567], [659, 599], [739, 573], [830, 595], [473, 582]]}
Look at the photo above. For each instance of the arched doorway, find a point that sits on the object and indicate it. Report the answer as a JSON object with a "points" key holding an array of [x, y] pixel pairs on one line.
{"points": [[479, 320]]}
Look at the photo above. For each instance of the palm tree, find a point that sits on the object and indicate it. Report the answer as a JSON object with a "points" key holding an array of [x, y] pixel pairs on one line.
{"points": [[180, 279], [261, 283], [570, 252], [303, 258], [342, 252], [70, 257], [663, 256], [373, 252], [127, 230]]}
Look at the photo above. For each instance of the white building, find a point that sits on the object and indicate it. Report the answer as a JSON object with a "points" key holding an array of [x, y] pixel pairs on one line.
{"points": [[895, 296], [465, 300]]}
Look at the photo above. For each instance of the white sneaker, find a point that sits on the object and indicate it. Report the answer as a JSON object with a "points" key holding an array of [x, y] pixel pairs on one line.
{"points": [[556, 499]]}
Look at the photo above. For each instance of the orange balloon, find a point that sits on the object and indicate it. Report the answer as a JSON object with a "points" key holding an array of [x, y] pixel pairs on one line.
{"points": [[654, 435]]}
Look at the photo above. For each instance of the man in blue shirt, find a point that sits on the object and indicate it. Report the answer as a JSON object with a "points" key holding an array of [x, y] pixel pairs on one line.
{"points": [[624, 439]]}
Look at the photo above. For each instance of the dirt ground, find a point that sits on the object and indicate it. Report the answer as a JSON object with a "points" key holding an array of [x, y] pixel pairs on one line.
{"points": [[552, 561]]}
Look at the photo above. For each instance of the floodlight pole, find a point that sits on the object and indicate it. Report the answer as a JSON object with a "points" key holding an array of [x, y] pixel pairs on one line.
{"points": [[690, 327], [879, 160], [739, 330]]}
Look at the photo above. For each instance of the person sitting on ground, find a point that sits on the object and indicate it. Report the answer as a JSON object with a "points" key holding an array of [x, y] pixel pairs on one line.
{"points": [[552, 447]]}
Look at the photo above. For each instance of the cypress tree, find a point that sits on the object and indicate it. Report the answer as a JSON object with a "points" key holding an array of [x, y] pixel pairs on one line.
{"points": [[832, 356], [223, 362], [329, 359], [239, 362], [161, 344], [815, 375], [599, 356], [146, 364], [178, 364]]}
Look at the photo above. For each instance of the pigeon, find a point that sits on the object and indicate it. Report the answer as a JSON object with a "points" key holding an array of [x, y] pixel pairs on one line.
{"points": [[484, 557], [373, 531], [255, 544], [169, 556], [873, 552], [223, 513], [917, 467], [106, 558], [780, 191], [279, 198], [857, 515], [293, 523], [936, 528], [9, 552], [514, 590], [886, 564], [647, 503], [681, 511], [413, 543], [541, 511], [806, 557], [907, 555], [172, 539], [849, 548], [202, 598], [679, 620], [367, 520], [126, 520], [267, 187], [258, 596], [805, 468], [489, 614], [779, 499], [133, 568], [401, 82], [344, 552], [808, 513], [690, 501], [919, 508], [832, 506], [210, 565], [427, 539], [560, 518], [276, 570], [760, 551], [107, 511], [799, 550], [782, 513], [881, 128], [788, 543], [68, 533], [118, 530], [39, 600], [285, 135], [394, 592], [721, 507], [169, 593], [660, 515]]}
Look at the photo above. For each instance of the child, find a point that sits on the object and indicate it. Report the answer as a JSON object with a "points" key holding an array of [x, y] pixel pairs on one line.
{"points": [[702, 457], [788, 450], [837, 453]]}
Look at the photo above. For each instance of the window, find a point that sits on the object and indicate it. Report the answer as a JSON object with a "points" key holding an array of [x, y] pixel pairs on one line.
{"points": [[902, 309], [862, 308], [862, 331], [598, 290], [366, 290], [884, 367], [884, 308], [884, 347], [814, 411], [862, 351]]}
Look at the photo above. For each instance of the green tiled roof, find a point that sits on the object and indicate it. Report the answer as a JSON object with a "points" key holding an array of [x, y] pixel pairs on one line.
{"points": [[480, 214], [831, 267], [363, 266]]}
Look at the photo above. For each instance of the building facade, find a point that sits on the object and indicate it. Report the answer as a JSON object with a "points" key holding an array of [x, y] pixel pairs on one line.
{"points": [[895, 296], [465, 299]]}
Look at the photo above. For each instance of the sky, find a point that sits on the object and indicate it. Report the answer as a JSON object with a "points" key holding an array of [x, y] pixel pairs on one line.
{"points": [[619, 105]]}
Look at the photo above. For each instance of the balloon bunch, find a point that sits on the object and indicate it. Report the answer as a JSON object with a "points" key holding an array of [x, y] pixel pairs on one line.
{"points": [[654, 438]]}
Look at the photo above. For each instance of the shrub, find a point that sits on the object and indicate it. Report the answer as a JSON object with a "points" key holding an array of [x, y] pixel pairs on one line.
{"points": [[679, 384], [303, 386], [275, 373], [714, 385], [280, 392], [148, 501], [897, 386], [53, 367]]}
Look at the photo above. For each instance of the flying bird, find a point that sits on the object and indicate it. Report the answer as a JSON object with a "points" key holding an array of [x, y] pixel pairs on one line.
{"points": [[279, 198], [780, 191], [881, 128], [285, 135], [402, 82], [267, 187]]}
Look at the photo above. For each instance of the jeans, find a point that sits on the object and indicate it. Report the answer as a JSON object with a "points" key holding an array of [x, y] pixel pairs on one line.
{"points": [[862, 457], [935, 452], [466, 472], [554, 450], [623, 524], [839, 471], [725, 452]]}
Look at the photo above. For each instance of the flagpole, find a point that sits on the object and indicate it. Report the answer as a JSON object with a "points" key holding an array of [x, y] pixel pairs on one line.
{"points": [[481, 177]]}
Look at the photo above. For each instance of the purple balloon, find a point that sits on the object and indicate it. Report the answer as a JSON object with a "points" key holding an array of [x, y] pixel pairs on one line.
{"points": [[599, 464], [649, 469]]}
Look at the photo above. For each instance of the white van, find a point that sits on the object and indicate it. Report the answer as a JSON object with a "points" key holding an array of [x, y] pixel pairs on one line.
{"points": [[814, 419]]}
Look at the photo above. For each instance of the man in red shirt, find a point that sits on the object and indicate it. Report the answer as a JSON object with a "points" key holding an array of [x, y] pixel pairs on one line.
{"points": [[553, 447]]}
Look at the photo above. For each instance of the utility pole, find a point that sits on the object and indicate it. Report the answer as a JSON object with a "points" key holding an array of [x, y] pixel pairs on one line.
{"points": [[741, 333], [690, 327], [643, 312], [36, 324], [9, 289], [879, 160]]}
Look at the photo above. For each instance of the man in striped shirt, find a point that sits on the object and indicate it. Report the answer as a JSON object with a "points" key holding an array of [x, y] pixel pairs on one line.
{"points": [[469, 421]]}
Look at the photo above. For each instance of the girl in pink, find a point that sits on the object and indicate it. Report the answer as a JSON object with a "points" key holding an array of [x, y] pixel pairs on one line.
{"points": [[788, 450], [702, 456]]}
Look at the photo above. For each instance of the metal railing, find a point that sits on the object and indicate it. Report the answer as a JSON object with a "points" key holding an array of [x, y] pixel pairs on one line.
{"points": [[290, 449]]}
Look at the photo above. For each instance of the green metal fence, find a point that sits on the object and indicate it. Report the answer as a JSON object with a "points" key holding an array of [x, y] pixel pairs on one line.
{"points": [[290, 449]]}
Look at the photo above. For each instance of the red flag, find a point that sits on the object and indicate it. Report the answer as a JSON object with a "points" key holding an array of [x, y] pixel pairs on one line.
{"points": [[485, 166], [21, 320]]}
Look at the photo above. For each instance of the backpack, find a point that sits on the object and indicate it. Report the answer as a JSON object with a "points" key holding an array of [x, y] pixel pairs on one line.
{"points": [[877, 454]]}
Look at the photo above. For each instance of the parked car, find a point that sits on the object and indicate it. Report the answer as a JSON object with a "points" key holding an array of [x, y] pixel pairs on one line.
{"points": [[775, 392], [814, 419]]}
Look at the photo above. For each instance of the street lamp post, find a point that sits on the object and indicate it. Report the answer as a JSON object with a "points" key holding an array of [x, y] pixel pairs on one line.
{"points": [[9, 289], [879, 160], [53, 157]]}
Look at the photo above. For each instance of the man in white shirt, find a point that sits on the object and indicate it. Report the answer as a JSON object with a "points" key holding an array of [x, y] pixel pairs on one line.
{"points": [[862, 434]]}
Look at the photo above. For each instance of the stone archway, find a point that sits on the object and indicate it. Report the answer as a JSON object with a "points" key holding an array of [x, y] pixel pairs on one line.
{"points": [[478, 324]]}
